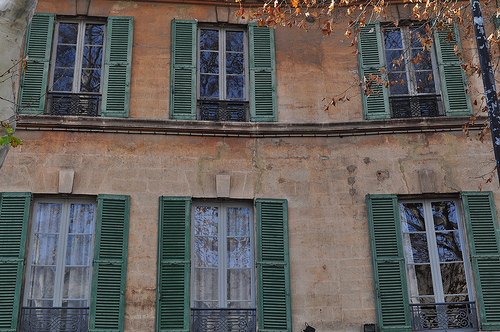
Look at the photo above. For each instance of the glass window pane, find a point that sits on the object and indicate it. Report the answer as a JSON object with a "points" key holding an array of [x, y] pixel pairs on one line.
{"points": [[238, 221], [68, 33], [445, 216], [234, 63], [81, 218], [209, 62], [45, 249], [393, 39], [235, 87], [209, 40], [239, 283], [76, 283], [416, 249], [209, 86], [412, 217], [42, 282], [48, 217], [206, 285], [395, 61], [65, 56], [94, 34], [91, 80], [63, 80], [424, 279], [206, 251], [398, 84], [453, 277], [449, 247], [234, 41], [206, 220], [238, 252], [79, 250], [421, 60], [425, 82], [92, 57]]}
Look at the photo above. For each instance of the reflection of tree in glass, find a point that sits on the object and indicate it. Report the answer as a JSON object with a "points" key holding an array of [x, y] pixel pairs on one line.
{"points": [[206, 235], [92, 58]]}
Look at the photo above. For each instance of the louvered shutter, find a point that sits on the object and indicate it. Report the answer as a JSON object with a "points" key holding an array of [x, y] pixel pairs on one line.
{"points": [[391, 296], [370, 61], [484, 241], [107, 304], [273, 271], [453, 80], [14, 214], [172, 298], [183, 70], [33, 83], [117, 67], [263, 105]]}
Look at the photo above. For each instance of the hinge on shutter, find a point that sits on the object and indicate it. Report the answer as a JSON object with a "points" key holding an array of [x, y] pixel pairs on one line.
{"points": [[10, 260]]}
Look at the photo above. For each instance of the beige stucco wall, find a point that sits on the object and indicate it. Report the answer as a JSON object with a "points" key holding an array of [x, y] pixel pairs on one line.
{"points": [[324, 179]]}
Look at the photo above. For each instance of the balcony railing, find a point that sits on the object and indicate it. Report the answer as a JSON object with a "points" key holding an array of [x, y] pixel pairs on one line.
{"points": [[223, 320], [415, 106], [54, 319], [221, 110], [73, 104], [457, 316]]}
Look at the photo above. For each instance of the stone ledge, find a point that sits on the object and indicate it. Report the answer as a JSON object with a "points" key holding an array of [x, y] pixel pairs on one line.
{"points": [[243, 129]]}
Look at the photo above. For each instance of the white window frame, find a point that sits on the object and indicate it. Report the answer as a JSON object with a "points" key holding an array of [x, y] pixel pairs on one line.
{"points": [[77, 79], [410, 69], [62, 243], [222, 63], [433, 251], [222, 234]]}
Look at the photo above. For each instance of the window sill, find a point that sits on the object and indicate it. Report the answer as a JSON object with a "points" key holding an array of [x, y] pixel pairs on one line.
{"points": [[243, 129]]}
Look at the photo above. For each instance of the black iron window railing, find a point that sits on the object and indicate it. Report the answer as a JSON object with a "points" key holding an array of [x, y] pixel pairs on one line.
{"points": [[415, 106], [55, 319], [221, 110], [458, 316], [73, 104], [223, 320]]}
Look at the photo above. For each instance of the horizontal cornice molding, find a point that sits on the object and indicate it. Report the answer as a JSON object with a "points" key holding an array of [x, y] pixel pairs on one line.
{"points": [[243, 129]]}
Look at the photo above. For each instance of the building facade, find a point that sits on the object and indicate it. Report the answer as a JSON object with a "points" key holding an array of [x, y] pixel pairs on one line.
{"points": [[180, 171]]}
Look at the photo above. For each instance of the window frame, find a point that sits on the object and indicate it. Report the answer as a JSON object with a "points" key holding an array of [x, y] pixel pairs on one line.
{"points": [[222, 248], [222, 30], [433, 249], [61, 254], [81, 21]]}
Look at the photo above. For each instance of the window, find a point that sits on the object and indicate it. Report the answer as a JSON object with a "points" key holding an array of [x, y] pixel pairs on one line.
{"points": [[208, 275], [422, 278], [222, 73], [59, 263], [77, 66], [223, 267], [76, 73], [413, 70], [76, 263], [436, 268], [421, 81]]}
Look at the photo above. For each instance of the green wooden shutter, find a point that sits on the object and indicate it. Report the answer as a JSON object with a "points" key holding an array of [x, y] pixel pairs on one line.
{"points": [[117, 67], [14, 214], [370, 61], [183, 70], [453, 80], [172, 297], [273, 271], [263, 104], [33, 83], [391, 295], [484, 241], [107, 306]]}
